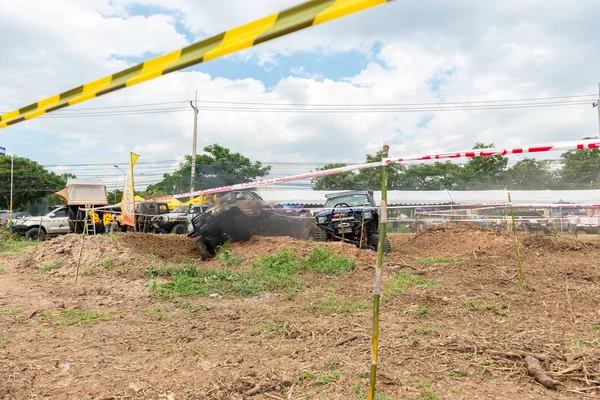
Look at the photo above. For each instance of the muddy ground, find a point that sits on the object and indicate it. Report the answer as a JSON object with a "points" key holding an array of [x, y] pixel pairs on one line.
{"points": [[456, 321]]}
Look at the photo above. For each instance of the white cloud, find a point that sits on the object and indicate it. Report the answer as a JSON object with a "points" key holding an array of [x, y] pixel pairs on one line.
{"points": [[473, 51]]}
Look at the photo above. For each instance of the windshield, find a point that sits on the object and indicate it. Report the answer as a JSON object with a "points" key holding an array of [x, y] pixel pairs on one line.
{"points": [[181, 209], [352, 200]]}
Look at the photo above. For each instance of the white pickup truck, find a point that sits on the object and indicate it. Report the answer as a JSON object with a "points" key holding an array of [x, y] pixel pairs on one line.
{"points": [[52, 224]]}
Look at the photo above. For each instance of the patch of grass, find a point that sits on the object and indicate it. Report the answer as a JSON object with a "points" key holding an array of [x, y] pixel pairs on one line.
{"points": [[277, 271], [487, 364], [14, 245], [73, 317], [320, 377], [403, 281], [88, 272], [436, 260], [472, 305], [3, 340], [425, 330], [579, 342], [10, 311], [426, 392], [44, 333], [109, 264], [596, 326], [324, 261], [460, 374], [52, 266], [334, 305], [2, 271], [229, 259], [421, 311]]}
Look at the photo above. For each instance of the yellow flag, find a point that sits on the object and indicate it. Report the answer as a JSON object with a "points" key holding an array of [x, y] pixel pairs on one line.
{"points": [[128, 207]]}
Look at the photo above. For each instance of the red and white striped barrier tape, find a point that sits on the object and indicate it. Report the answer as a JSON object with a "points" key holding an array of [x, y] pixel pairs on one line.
{"points": [[562, 146]]}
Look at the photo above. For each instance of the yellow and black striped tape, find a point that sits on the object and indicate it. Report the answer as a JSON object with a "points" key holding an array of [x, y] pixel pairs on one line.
{"points": [[291, 20]]}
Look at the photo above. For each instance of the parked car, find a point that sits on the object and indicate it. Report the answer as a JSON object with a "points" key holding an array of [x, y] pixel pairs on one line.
{"points": [[8, 219], [52, 224], [346, 217], [178, 220]]}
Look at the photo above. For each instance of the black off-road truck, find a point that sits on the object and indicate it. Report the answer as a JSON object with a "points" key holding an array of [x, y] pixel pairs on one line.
{"points": [[346, 217], [236, 216]]}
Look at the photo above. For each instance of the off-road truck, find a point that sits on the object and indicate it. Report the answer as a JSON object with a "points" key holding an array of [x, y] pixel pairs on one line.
{"points": [[346, 217], [236, 216]]}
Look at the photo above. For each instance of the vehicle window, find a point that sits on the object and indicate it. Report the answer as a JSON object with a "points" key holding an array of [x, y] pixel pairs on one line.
{"points": [[61, 212], [196, 210], [248, 196], [163, 208], [228, 197], [181, 209], [255, 196], [351, 200]]}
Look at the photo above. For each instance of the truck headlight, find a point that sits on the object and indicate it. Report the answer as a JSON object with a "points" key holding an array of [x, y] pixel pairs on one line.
{"points": [[321, 220], [368, 215]]}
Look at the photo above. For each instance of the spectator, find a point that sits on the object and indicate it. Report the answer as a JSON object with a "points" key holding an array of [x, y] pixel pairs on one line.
{"points": [[108, 219], [572, 219]]}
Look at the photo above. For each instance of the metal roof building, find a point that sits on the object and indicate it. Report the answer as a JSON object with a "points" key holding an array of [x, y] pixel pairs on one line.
{"points": [[413, 197]]}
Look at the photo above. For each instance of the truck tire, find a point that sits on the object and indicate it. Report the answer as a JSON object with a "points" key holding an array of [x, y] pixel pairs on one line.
{"points": [[319, 235], [374, 241], [204, 250], [32, 234], [179, 229]]}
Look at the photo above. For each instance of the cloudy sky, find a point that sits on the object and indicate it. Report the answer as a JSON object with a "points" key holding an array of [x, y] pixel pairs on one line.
{"points": [[404, 52]]}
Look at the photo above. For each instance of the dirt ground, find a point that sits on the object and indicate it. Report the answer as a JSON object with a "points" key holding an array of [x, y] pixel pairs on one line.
{"points": [[456, 321]]}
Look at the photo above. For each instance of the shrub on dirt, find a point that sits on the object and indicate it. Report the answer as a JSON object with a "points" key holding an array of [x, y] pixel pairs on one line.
{"points": [[278, 271], [403, 281], [10, 243]]}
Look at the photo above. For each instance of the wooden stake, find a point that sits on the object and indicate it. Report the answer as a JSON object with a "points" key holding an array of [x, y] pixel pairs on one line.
{"points": [[378, 268], [512, 216], [37, 239], [81, 247]]}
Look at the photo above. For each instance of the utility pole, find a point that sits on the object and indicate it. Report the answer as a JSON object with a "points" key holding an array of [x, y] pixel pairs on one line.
{"points": [[193, 177]]}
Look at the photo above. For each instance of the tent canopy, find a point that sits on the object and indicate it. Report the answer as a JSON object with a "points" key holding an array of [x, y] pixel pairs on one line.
{"points": [[84, 191], [135, 198]]}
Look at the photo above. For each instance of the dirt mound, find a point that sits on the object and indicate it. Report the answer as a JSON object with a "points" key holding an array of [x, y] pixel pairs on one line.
{"points": [[172, 248], [460, 240], [259, 246], [556, 243]]}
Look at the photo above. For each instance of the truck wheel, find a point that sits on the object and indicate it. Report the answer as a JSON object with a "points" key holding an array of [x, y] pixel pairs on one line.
{"points": [[32, 234], [204, 250], [179, 229], [374, 241], [319, 235]]}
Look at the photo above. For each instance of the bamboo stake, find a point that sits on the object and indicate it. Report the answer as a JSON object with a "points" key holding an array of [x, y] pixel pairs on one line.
{"points": [[81, 247], [37, 239], [378, 268], [512, 215], [362, 229]]}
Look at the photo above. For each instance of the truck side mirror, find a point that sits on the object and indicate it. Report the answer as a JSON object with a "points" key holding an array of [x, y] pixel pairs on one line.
{"points": [[52, 215]]}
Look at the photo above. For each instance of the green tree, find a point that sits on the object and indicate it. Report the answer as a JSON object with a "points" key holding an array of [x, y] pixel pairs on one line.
{"points": [[580, 168], [364, 179], [217, 167], [530, 174], [437, 176], [483, 172], [31, 182], [343, 181]]}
